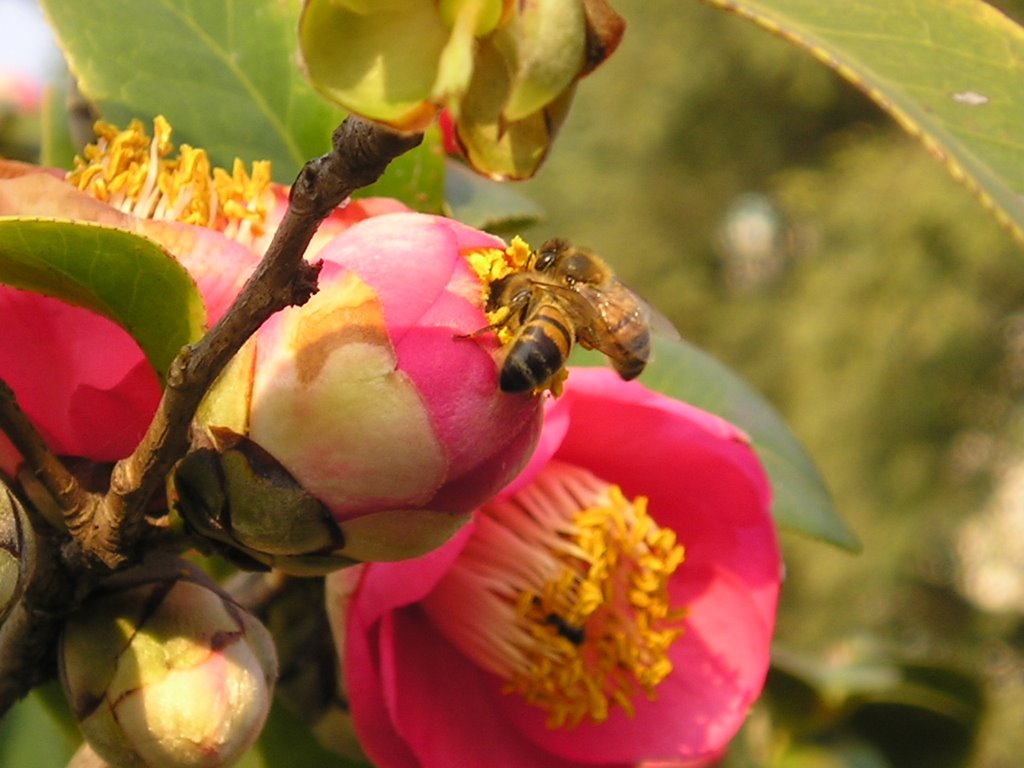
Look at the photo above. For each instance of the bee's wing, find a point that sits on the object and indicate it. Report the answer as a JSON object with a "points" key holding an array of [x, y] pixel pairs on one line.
{"points": [[618, 300], [577, 305], [661, 325], [625, 328]]}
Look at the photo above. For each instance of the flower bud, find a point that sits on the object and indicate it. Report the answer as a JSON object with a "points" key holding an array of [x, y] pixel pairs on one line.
{"points": [[17, 550], [164, 670], [549, 37], [379, 398], [505, 71]]}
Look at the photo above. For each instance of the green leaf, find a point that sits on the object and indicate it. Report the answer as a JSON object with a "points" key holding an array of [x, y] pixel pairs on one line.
{"points": [[227, 80], [949, 72], [122, 276], [224, 74], [31, 735], [801, 501], [920, 714], [286, 740]]}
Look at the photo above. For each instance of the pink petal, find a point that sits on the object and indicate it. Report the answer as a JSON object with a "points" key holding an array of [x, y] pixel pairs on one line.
{"points": [[699, 472], [219, 265], [341, 218], [556, 424], [429, 247], [30, 191], [383, 588], [365, 689], [428, 684], [81, 379], [386, 586]]}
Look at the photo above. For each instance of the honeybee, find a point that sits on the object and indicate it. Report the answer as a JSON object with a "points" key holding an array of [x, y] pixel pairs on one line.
{"points": [[568, 294]]}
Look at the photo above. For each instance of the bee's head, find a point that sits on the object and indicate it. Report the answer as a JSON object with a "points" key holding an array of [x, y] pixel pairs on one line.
{"points": [[569, 263], [547, 258]]}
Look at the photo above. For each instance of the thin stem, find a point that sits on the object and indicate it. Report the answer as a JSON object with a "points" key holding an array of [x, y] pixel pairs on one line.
{"points": [[50, 471]]}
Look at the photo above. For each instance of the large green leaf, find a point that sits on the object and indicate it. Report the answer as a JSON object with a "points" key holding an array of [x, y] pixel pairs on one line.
{"points": [[487, 204], [801, 501], [950, 72], [226, 77], [223, 73], [122, 276]]}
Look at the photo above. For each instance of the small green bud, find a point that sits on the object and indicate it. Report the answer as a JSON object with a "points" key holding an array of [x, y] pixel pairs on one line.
{"points": [[17, 550], [164, 670]]}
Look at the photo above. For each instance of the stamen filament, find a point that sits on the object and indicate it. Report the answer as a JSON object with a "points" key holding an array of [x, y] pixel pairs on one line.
{"points": [[562, 591], [137, 175]]}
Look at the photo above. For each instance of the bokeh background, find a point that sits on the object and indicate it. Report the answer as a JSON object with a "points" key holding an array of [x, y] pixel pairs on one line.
{"points": [[788, 227]]}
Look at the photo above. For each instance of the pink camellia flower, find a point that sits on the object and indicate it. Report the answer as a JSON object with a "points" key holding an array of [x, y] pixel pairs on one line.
{"points": [[613, 606], [379, 397], [81, 378]]}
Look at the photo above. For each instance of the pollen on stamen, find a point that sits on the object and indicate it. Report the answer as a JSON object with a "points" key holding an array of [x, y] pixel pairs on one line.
{"points": [[138, 175], [563, 592], [492, 264]]}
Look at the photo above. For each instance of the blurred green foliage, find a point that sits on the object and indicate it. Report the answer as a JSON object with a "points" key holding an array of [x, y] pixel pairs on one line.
{"points": [[791, 229]]}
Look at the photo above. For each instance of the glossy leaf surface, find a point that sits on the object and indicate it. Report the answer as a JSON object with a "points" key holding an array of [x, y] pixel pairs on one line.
{"points": [[122, 276]]}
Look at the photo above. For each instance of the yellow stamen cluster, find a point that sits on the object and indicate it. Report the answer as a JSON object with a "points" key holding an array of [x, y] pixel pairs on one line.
{"points": [[492, 264], [138, 175], [566, 590]]}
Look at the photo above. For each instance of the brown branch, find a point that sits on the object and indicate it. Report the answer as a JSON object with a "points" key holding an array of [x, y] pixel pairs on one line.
{"points": [[360, 153], [50, 471]]}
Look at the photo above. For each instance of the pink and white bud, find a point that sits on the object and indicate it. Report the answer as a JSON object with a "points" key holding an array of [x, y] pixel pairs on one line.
{"points": [[379, 396], [164, 670]]}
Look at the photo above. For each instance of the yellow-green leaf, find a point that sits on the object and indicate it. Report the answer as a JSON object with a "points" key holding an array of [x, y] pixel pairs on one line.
{"points": [[122, 276], [227, 79], [950, 72], [224, 74]]}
